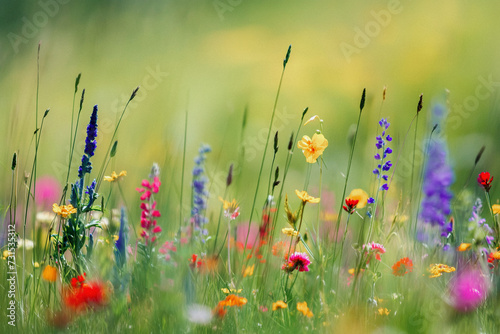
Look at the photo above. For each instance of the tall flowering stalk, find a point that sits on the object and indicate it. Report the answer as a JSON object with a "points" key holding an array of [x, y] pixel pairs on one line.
{"points": [[200, 195], [90, 146], [479, 231], [313, 149], [231, 212], [74, 226], [485, 179], [148, 207], [383, 166], [438, 177]]}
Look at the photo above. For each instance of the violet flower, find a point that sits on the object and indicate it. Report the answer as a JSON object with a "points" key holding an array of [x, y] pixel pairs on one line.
{"points": [[383, 165], [438, 177], [200, 194]]}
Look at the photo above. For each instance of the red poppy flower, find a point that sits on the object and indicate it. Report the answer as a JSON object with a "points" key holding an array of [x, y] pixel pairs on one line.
{"points": [[485, 180]]}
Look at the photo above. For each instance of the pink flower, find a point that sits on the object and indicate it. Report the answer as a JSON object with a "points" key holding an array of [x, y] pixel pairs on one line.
{"points": [[375, 248], [298, 261], [166, 248], [241, 235], [468, 289], [47, 191], [148, 207]]}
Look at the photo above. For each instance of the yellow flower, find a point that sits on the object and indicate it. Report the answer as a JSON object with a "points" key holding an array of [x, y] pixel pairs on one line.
{"points": [[383, 311], [290, 232], [463, 247], [360, 195], [36, 265], [231, 209], [63, 210], [438, 269], [49, 273], [248, 271], [495, 208], [6, 254], [302, 307], [279, 305], [304, 196], [313, 148], [115, 177], [228, 291]]}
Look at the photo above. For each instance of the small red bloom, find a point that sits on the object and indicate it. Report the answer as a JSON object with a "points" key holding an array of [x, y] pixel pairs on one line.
{"points": [[195, 262], [485, 180], [350, 205], [402, 267]]}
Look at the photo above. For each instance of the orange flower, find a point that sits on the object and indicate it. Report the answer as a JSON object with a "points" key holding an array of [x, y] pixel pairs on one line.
{"points": [[304, 196], [63, 210], [231, 300], [402, 267], [495, 208], [279, 305], [49, 273], [495, 255], [463, 247], [281, 249], [302, 307], [313, 148]]}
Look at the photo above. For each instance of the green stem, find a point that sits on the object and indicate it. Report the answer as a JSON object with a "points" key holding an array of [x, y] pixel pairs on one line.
{"points": [[351, 154], [183, 166], [106, 156], [263, 157]]}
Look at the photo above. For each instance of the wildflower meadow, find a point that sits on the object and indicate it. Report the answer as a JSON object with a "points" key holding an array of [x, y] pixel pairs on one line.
{"points": [[293, 227]]}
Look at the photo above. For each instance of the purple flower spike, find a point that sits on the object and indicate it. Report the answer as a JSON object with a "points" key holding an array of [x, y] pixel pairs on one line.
{"points": [[383, 167]]}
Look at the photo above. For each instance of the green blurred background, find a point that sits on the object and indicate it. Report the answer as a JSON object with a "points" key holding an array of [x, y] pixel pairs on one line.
{"points": [[216, 58]]}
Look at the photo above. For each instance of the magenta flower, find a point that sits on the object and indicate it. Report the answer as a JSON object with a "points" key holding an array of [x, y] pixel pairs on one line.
{"points": [[148, 207], [298, 261], [468, 290]]}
